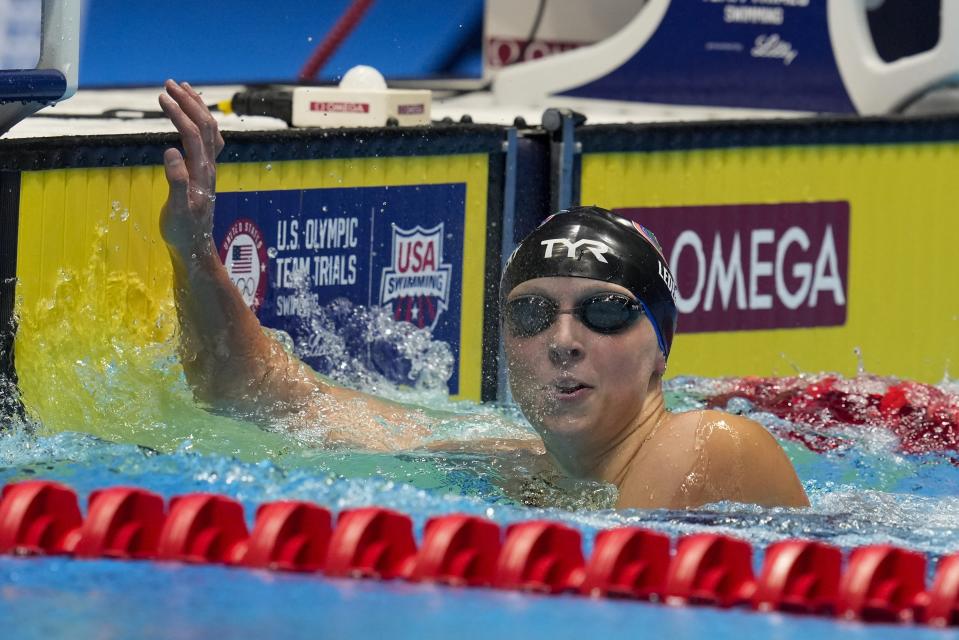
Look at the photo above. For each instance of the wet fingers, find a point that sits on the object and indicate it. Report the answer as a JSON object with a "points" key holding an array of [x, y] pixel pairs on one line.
{"points": [[199, 112], [195, 133], [189, 101]]}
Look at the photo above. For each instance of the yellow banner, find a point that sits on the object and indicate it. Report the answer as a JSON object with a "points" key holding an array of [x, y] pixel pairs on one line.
{"points": [[901, 313], [94, 277]]}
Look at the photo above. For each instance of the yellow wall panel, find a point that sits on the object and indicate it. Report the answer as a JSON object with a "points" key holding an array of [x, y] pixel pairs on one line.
{"points": [[902, 313], [101, 224]]}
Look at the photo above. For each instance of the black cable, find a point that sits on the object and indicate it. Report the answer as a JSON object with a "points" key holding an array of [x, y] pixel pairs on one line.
{"points": [[111, 114], [533, 31]]}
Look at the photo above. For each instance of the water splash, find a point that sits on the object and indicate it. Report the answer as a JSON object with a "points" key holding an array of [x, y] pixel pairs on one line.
{"points": [[364, 348], [99, 356]]}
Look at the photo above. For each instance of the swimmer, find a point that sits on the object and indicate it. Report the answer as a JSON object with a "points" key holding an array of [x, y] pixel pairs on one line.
{"points": [[588, 322]]}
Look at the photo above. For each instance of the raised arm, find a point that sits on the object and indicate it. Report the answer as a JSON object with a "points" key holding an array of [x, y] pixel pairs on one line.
{"points": [[232, 365]]}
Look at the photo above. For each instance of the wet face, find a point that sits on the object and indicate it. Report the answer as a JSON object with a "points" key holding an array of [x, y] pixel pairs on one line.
{"points": [[582, 390]]}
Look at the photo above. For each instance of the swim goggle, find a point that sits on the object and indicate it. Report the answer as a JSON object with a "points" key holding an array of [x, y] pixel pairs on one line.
{"points": [[604, 313]]}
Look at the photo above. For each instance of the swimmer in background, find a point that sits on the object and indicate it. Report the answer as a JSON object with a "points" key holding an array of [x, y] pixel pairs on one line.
{"points": [[588, 325]]}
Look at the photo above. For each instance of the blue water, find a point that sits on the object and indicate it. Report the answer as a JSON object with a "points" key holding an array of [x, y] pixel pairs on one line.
{"points": [[864, 494], [53, 598], [864, 491]]}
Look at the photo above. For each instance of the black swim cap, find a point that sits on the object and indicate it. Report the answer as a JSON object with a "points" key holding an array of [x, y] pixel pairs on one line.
{"points": [[590, 242]]}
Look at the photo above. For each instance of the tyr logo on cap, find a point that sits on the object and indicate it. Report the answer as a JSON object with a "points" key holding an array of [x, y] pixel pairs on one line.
{"points": [[595, 247]]}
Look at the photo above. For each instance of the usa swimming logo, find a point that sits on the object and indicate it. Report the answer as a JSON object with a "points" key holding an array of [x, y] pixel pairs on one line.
{"points": [[244, 256], [417, 284]]}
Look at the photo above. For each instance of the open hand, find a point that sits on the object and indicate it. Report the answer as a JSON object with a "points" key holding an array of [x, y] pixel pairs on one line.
{"points": [[186, 220]]}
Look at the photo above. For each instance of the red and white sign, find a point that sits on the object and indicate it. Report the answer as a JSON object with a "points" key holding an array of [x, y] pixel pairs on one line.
{"points": [[502, 52], [244, 256], [561, 25], [755, 266]]}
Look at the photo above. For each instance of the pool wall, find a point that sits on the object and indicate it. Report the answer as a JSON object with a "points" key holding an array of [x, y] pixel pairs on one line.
{"points": [[797, 244]]}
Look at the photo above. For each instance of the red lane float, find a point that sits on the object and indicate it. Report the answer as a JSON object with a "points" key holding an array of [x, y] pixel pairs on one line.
{"points": [[711, 569], [879, 583], [203, 528], [540, 556], [289, 536], [800, 576], [882, 583], [121, 522], [942, 605], [371, 543], [38, 517], [628, 562], [458, 550]]}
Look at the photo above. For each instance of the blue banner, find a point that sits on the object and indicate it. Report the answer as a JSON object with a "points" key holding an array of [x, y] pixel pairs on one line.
{"points": [[292, 252], [762, 54]]}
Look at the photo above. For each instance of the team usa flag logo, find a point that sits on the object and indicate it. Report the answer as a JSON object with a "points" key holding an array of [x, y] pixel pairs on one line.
{"points": [[416, 286], [244, 256]]}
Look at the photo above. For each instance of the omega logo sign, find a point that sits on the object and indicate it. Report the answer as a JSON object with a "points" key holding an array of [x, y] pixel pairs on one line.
{"points": [[724, 272], [743, 267]]}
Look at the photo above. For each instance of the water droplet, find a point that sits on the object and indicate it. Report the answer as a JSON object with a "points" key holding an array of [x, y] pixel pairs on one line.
{"points": [[860, 363], [269, 167], [324, 208], [124, 215], [309, 38], [271, 252]]}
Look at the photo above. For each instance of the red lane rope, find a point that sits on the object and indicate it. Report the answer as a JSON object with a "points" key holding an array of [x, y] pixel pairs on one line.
{"points": [[923, 417], [334, 38], [875, 583]]}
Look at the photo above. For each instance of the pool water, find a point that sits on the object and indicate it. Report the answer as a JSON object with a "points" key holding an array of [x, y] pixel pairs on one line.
{"points": [[49, 597], [123, 414]]}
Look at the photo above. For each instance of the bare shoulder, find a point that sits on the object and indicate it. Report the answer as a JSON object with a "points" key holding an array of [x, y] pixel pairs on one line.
{"points": [[722, 431], [738, 459]]}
